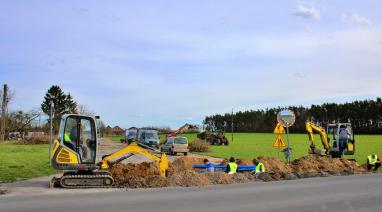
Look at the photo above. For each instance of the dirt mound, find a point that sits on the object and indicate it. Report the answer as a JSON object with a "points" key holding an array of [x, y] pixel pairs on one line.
{"points": [[185, 163], [181, 172], [244, 162], [240, 178], [219, 178], [133, 173], [3, 191], [188, 179], [274, 165], [306, 165], [322, 165], [156, 181]]}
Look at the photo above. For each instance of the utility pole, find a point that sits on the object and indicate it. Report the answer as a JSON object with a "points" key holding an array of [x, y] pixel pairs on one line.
{"points": [[51, 128], [4, 106], [232, 126]]}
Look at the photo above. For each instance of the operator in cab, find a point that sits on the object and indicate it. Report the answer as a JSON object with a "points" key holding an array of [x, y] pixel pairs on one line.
{"points": [[70, 139]]}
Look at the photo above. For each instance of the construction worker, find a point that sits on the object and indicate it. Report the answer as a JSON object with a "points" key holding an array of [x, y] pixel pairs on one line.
{"points": [[209, 166], [287, 151], [232, 166], [343, 138], [260, 168], [373, 161]]}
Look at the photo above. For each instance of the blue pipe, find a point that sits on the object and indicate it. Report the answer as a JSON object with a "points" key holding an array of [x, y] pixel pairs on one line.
{"points": [[221, 168]]}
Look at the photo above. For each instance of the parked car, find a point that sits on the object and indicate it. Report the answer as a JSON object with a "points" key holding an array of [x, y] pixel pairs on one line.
{"points": [[130, 135], [175, 145], [148, 137]]}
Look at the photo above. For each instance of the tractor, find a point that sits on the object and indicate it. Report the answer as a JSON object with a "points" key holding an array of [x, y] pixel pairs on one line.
{"points": [[214, 138]]}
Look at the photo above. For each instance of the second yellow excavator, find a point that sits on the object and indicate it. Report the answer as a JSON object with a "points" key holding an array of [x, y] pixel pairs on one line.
{"points": [[343, 142]]}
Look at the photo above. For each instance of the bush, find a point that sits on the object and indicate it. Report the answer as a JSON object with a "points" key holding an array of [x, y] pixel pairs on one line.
{"points": [[199, 146], [34, 140]]}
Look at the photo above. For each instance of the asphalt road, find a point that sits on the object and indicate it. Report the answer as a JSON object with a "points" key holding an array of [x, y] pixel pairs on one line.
{"points": [[351, 193]]}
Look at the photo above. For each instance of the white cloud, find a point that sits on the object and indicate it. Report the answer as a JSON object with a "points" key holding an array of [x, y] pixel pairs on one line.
{"points": [[357, 19], [307, 11]]}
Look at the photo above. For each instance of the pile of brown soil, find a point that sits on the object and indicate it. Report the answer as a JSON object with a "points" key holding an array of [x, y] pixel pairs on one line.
{"points": [[188, 178], [133, 174], [274, 165], [181, 173], [184, 163], [310, 164], [3, 191], [219, 178]]}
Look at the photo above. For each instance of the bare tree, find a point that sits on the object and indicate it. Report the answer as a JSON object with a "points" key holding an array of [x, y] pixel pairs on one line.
{"points": [[20, 121], [84, 110], [6, 97]]}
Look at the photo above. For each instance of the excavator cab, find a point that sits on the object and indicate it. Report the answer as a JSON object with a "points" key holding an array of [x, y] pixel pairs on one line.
{"points": [[76, 146], [342, 137]]}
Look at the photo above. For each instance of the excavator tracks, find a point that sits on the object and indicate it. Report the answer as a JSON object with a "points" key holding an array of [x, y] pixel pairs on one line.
{"points": [[92, 180]]}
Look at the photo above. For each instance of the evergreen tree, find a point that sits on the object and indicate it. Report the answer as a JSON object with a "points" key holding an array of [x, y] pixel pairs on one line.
{"points": [[63, 104], [71, 105]]}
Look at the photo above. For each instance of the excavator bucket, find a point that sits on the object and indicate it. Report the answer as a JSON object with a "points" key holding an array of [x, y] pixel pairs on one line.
{"points": [[350, 148], [163, 165]]}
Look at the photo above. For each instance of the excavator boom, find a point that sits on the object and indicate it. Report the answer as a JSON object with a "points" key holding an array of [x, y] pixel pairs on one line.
{"points": [[189, 126], [133, 148], [310, 128]]}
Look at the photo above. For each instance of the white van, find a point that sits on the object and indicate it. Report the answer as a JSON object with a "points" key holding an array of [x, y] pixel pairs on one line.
{"points": [[175, 145]]}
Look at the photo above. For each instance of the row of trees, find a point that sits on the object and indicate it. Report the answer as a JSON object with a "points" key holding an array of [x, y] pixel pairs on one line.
{"points": [[366, 117], [34, 120]]}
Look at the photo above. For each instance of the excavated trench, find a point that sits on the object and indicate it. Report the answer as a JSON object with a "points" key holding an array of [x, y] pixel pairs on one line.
{"points": [[181, 173]]}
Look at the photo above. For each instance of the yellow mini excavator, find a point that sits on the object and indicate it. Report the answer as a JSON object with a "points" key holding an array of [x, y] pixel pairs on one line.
{"points": [[75, 153], [341, 135]]}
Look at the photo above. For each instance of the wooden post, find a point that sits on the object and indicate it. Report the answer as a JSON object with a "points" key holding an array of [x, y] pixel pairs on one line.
{"points": [[232, 126], [4, 105]]}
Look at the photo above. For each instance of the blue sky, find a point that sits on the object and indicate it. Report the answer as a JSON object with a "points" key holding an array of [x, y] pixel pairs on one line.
{"points": [[169, 62]]}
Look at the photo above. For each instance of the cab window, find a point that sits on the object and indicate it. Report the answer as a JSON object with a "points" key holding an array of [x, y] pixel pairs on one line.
{"points": [[70, 133], [87, 141], [180, 141], [169, 141]]}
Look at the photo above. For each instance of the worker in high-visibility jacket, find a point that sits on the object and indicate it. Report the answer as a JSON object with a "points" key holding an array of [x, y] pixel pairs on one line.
{"points": [[260, 168], [71, 139], [373, 161], [232, 166]]}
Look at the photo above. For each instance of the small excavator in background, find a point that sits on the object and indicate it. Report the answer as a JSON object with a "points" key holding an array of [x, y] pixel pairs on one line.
{"points": [[341, 134], [75, 153]]}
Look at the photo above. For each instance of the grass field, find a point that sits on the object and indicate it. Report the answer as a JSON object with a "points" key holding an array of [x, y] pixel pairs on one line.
{"points": [[116, 138], [23, 161], [250, 145], [27, 161]]}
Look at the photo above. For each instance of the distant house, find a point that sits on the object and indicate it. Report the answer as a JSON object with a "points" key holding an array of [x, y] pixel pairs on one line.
{"points": [[114, 131]]}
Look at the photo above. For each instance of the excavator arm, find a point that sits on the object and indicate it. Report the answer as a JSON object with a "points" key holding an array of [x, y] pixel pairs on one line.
{"points": [[189, 126], [310, 128], [133, 148]]}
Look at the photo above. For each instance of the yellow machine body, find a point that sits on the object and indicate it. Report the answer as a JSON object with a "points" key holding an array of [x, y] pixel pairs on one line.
{"points": [[75, 152]]}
